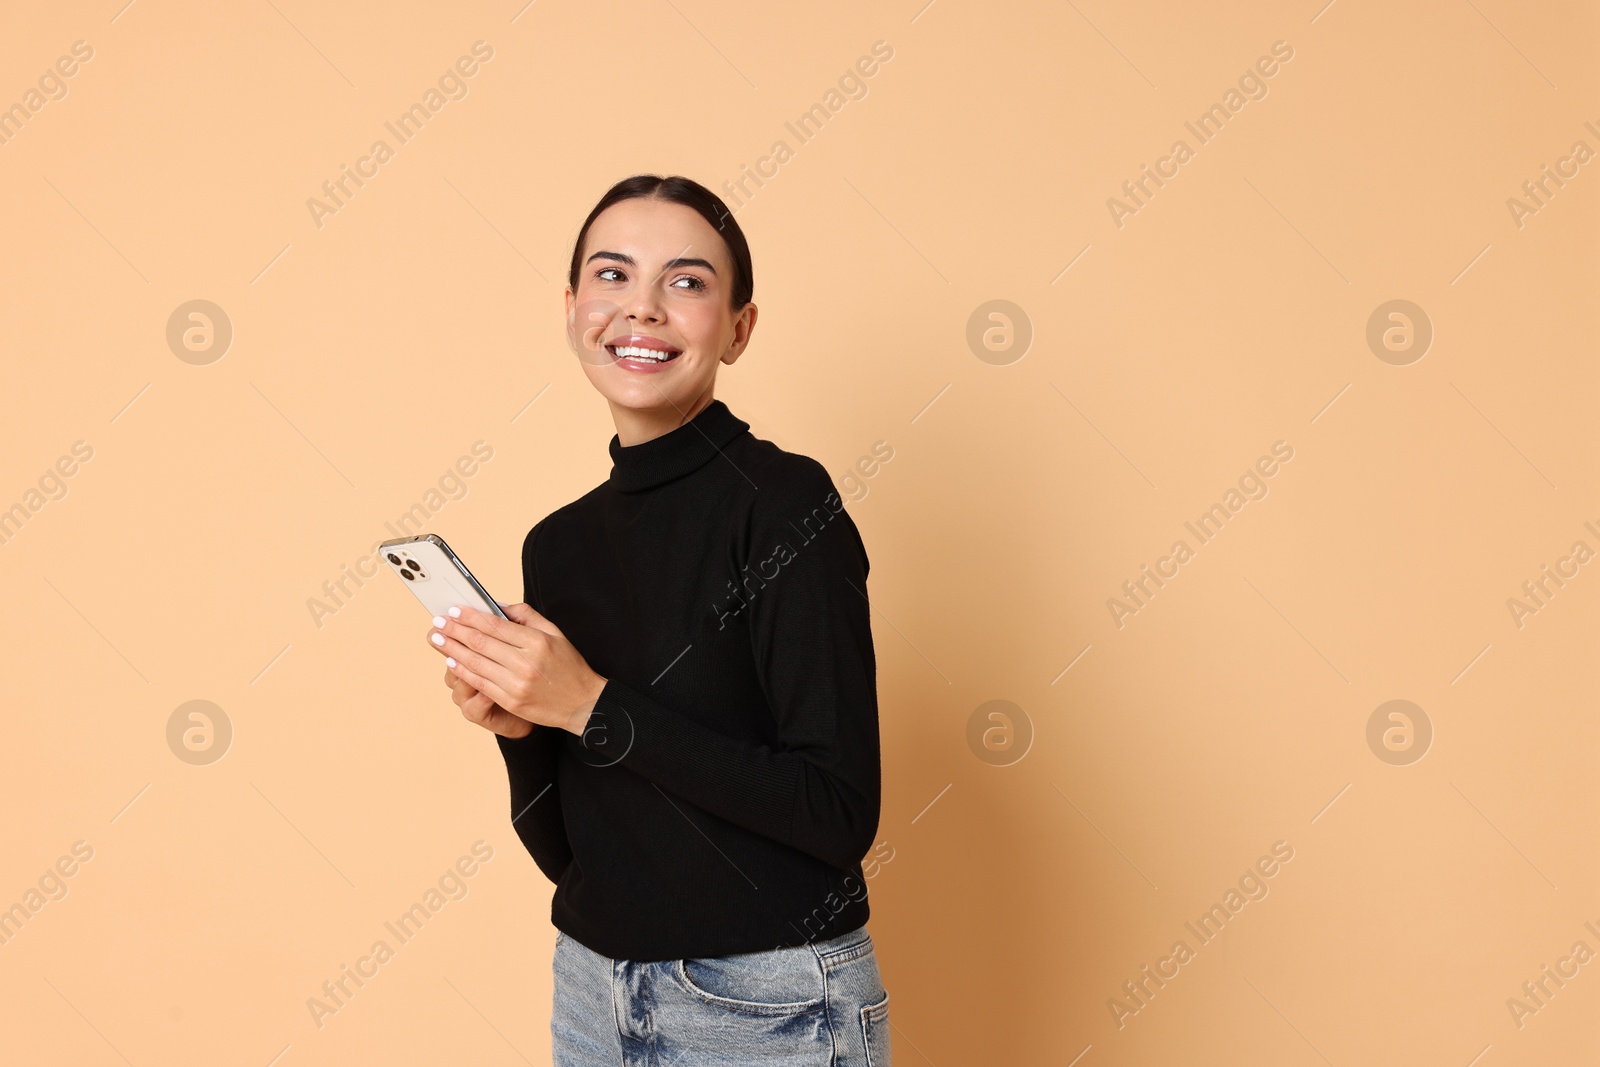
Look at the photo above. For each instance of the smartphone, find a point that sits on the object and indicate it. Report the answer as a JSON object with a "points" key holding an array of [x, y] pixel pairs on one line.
{"points": [[436, 575]]}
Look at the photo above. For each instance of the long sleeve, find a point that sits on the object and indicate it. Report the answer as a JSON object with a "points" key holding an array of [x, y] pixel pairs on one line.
{"points": [[531, 765], [810, 633]]}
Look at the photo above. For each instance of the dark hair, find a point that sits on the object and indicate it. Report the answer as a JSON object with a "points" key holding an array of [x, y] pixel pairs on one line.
{"points": [[690, 193]]}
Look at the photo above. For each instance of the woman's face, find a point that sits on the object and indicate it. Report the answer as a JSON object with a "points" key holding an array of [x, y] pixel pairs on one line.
{"points": [[653, 282]]}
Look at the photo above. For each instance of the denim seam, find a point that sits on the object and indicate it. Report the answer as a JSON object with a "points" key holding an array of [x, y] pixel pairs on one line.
{"points": [[615, 1020], [648, 989], [878, 1012], [827, 1010]]}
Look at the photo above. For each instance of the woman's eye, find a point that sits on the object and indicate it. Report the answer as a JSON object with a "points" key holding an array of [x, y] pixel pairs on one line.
{"points": [[694, 283], [604, 271]]}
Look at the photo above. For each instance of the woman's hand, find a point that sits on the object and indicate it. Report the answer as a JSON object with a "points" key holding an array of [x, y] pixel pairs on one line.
{"points": [[524, 666], [477, 708]]}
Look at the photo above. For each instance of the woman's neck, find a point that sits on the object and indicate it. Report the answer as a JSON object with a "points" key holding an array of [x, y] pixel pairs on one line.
{"points": [[635, 426]]}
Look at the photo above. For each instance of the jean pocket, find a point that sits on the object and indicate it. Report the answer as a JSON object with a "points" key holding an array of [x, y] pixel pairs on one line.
{"points": [[778, 982], [875, 1032]]}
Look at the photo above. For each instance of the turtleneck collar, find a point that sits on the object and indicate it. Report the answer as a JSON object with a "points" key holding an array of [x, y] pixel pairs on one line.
{"points": [[635, 468]]}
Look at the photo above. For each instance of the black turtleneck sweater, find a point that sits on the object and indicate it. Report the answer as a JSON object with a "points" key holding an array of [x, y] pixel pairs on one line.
{"points": [[726, 788]]}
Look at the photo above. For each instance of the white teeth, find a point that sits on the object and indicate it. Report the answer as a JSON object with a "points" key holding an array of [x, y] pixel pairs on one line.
{"points": [[650, 354]]}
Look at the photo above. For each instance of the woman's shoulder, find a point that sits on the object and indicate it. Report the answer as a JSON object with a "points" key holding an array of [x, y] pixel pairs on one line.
{"points": [[572, 510], [791, 498], [780, 480], [564, 516], [796, 513]]}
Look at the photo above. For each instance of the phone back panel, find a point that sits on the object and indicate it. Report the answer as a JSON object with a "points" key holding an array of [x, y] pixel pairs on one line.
{"points": [[433, 575]]}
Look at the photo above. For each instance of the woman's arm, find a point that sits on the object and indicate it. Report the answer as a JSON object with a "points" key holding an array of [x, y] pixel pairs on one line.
{"points": [[811, 636], [531, 765], [535, 800]]}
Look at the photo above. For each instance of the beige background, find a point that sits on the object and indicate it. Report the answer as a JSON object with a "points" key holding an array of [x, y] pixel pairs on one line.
{"points": [[1229, 313]]}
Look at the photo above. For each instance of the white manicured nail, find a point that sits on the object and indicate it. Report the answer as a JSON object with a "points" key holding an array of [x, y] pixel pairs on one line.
{"points": [[438, 639], [438, 622], [451, 660], [455, 613]]}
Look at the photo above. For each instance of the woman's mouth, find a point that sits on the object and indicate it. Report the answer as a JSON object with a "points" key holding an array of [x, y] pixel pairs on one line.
{"points": [[645, 356]]}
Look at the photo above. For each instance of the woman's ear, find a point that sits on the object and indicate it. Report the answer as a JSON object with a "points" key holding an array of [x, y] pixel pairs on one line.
{"points": [[743, 325]]}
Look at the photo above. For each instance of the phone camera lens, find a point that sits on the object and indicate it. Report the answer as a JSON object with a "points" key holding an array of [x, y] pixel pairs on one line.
{"points": [[413, 564], [394, 559], [405, 574]]}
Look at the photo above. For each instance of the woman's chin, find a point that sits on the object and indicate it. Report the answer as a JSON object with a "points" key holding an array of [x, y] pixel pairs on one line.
{"points": [[676, 379], [654, 393]]}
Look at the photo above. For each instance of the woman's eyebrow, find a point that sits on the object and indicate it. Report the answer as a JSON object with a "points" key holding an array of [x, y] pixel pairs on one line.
{"points": [[622, 257], [681, 262]]}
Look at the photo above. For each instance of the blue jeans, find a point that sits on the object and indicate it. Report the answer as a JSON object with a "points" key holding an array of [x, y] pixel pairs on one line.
{"points": [[816, 1005]]}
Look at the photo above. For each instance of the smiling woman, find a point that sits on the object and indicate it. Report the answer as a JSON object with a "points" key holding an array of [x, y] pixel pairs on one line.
{"points": [[693, 781], [660, 277]]}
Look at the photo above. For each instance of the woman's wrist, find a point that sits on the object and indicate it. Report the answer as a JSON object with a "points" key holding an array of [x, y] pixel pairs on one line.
{"points": [[579, 720]]}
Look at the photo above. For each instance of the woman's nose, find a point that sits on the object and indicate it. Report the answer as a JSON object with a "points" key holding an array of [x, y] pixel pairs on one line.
{"points": [[644, 304]]}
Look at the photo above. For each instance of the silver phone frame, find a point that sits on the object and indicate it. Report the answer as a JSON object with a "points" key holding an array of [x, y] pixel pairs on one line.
{"points": [[450, 555]]}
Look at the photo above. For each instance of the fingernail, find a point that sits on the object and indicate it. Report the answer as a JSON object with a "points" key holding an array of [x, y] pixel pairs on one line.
{"points": [[455, 613], [438, 622], [437, 639], [451, 660]]}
